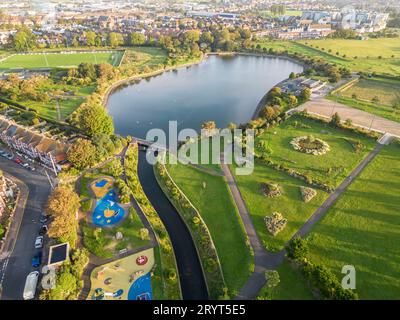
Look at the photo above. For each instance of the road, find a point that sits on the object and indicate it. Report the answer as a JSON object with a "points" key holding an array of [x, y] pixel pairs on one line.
{"points": [[326, 108], [15, 267]]}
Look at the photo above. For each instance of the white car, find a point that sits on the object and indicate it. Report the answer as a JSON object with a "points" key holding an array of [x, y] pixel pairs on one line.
{"points": [[39, 242], [30, 285]]}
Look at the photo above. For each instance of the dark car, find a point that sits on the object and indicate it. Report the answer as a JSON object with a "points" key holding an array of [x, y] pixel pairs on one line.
{"points": [[37, 260], [43, 230], [44, 218]]}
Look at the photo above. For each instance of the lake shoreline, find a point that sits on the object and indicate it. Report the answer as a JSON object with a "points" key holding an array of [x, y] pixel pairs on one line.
{"points": [[113, 87]]}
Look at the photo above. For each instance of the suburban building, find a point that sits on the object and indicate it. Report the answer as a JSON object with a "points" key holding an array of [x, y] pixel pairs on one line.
{"points": [[35, 145]]}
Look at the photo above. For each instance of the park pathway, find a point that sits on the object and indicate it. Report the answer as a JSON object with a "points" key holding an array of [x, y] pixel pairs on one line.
{"points": [[264, 260]]}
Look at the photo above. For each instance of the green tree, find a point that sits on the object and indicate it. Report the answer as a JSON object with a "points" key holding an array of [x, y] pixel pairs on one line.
{"points": [[115, 39], [90, 38], [137, 39], [297, 249], [82, 154], [93, 119], [335, 120], [24, 40], [63, 205], [305, 94]]}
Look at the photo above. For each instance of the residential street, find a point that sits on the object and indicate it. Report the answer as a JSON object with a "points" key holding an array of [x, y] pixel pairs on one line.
{"points": [[15, 267]]}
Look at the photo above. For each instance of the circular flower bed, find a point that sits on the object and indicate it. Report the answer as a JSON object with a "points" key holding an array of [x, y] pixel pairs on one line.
{"points": [[310, 145]]}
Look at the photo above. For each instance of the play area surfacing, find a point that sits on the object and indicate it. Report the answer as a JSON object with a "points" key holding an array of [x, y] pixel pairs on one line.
{"points": [[124, 279]]}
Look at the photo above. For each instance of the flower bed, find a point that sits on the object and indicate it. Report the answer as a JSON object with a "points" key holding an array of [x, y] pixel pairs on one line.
{"points": [[307, 193], [310, 145], [271, 190], [275, 223]]}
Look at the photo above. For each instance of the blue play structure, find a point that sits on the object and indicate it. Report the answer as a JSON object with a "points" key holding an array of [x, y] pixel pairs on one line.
{"points": [[108, 202], [101, 183], [141, 289]]}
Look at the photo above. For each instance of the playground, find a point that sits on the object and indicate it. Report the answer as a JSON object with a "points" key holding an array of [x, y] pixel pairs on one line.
{"points": [[107, 211], [124, 279]]}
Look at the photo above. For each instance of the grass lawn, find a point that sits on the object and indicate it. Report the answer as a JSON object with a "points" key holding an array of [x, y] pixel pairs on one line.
{"points": [[217, 208], [102, 243], [290, 204], [341, 160], [140, 57], [330, 168], [363, 229], [58, 60], [361, 94], [360, 55], [291, 286], [363, 55]]}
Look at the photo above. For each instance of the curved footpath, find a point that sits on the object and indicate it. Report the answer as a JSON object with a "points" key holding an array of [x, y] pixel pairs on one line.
{"points": [[264, 260], [16, 265]]}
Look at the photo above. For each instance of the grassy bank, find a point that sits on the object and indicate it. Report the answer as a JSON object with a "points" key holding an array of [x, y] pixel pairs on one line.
{"points": [[211, 197]]}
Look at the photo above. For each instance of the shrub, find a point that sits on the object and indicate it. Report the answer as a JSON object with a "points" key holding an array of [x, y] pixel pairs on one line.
{"points": [[307, 193], [275, 223], [271, 190], [297, 249]]}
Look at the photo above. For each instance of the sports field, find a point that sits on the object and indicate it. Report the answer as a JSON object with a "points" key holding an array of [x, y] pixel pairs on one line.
{"points": [[59, 60]]}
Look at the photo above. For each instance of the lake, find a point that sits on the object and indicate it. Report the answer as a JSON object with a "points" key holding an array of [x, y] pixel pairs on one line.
{"points": [[221, 89]]}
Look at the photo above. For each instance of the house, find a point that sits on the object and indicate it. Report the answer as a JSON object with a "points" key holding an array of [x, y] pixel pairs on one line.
{"points": [[35, 145]]}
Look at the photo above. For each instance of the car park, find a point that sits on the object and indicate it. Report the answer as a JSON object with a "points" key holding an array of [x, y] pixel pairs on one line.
{"points": [[39, 242]]}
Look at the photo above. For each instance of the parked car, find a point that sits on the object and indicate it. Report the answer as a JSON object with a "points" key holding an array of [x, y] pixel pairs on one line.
{"points": [[37, 260], [43, 230], [2, 152], [9, 156], [32, 168], [44, 218], [25, 165], [30, 285], [18, 160], [39, 242]]}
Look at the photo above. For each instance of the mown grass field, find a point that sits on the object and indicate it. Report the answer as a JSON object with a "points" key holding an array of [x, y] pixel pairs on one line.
{"points": [[289, 204], [59, 108], [373, 55], [59, 60], [363, 229], [341, 160], [332, 167], [217, 208], [362, 94], [360, 55]]}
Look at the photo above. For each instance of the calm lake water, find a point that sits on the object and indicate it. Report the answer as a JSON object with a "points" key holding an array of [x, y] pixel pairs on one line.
{"points": [[222, 89]]}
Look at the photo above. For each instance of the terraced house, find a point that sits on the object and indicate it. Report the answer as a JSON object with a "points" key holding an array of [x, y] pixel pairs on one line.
{"points": [[35, 145]]}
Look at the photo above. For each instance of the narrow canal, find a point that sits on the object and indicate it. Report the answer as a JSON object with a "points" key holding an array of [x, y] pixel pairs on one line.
{"points": [[191, 276]]}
